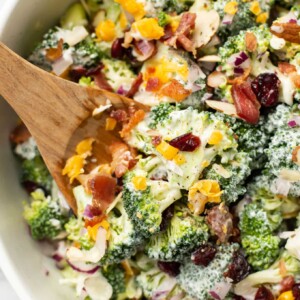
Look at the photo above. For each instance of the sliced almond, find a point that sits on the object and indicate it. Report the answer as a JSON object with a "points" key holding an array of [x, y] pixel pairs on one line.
{"points": [[207, 24], [210, 58], [221, 171], [286, 68], [216, 79], [224, 107], [287, 31], [250, 41], [296, 155], [290, 175]]}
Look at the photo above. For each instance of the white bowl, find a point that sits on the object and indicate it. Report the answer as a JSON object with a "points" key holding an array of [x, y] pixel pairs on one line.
{"points": [[22, 23]]}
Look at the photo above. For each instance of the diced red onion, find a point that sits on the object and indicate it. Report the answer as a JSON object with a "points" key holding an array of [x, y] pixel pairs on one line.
{"points": [[83, 267], [214, 295], [240, 60], [293, 21], [220, 290], [292, 123], [121, 91], [238, 71], [227, 20], [295, 121], [87, 212]]}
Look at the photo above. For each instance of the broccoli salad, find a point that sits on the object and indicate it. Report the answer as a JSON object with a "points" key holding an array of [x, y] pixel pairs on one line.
{"points": [[201, 199]]}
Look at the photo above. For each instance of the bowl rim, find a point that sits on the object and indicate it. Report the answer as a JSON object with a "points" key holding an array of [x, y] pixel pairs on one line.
{"points": [[6, 264]]}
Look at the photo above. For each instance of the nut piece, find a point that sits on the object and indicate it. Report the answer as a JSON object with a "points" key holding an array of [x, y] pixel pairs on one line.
{"points": [[251, 41], [224, 107], [286, 68], [288, 31], [296, 155]]}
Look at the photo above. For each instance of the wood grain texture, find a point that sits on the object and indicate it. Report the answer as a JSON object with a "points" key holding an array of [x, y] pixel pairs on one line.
{"points": [[57, 113]]}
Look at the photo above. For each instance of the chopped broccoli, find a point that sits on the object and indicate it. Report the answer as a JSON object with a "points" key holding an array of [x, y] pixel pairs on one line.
{"points": [[198, 281], [35, 170], [160, 113], [231, 176], [76, 233], [44, 216], [163, 19], [115, 275], [257, 226], [74, 16], [179, 5], [86, 81], [145, 207], [124, 238], [184, 234]]}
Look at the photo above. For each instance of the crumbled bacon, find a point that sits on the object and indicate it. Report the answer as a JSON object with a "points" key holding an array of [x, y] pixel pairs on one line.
{"points": [[175, 90], [250, 41], [153, 84], [94, 221], [137, 117], [135, 86], [53, 54], [120, 115], [168, 33], [181, 36], [156, 140], [145, 49], [103, 188], [286, 68], [220, 220], [101, 82], [121, 157], [245, 102], [20, 134]]}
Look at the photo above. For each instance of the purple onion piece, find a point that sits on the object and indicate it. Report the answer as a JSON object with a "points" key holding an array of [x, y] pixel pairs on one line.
{"points": [[214, 295], [121, 91], [238, 71], [292, 123], [91, 271], [87, 212]]}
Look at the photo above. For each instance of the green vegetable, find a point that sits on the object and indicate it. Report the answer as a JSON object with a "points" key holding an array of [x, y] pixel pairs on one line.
{"points": [[44, 216], [184, 234], [35, 170], [74, 16], [86, 81], [163, 19], [160, 113]]}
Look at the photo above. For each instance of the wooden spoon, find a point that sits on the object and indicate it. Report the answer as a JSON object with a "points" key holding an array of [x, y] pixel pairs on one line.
{"points": [[57, 113]]}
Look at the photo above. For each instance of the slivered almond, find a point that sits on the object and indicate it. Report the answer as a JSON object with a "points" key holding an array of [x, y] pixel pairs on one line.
{"points": [[210, 58], [224, 107], [286, 68], [290, 175], [296, 155], [287, 31], [251, 41]]}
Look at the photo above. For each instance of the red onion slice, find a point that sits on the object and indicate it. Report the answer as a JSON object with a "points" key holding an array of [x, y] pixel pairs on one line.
{"points": [[227, 20], [83, 267]]}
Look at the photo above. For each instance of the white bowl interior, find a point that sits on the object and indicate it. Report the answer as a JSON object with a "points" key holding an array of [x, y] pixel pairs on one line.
{"points": [[22, 24]]}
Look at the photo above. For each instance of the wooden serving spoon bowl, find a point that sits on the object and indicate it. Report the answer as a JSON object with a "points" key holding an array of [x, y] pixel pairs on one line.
{"points": [[57, 113]]}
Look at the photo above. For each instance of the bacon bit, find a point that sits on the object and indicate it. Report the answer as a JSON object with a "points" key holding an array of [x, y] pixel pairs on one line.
{"points": [[220, 220], [120, 115], [286, 68], [290, 31], [156, 140], [20, 134], [240, 79], [175, 90], [121, 157], [245, 102], [135, 86], [137, 117], [53, 54], [287, 283], [132, 163], [296, 79], [251, 41], [103, 189], [145, 49], [296, 155], [101, 82], [181, 36], [168, 33], [153, 84], [94, 221]]}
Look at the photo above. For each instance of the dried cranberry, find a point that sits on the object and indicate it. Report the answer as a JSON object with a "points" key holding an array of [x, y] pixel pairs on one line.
{"points": [[287, 283], [77, 72], [30, 186], [204, 255], [239, 268], [266, 88], [117, 50], [186, 142], [167, 215], [171, 268], [263, 294], [156, 140], [296, 291]]}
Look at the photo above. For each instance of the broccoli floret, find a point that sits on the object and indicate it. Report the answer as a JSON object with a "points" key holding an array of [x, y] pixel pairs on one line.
{"points": [[272, 275], [44, 216], [76, 233], [124, 238], [257, 226], [160, 113], [87, 53], [184, 233], [35, 170], [280, 156], [163, 19], [145, 206], [231, 176], [243, 18], [198, 281], [115, 275], [74, 16], [118, 74]]}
